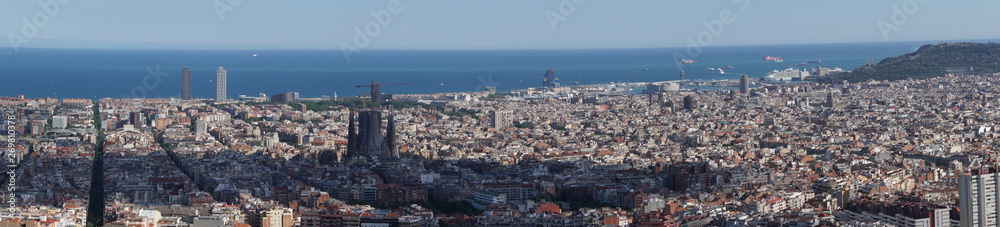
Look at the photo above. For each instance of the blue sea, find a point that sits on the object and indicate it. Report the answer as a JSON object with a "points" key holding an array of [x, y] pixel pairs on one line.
{"points": [[89, 73]]}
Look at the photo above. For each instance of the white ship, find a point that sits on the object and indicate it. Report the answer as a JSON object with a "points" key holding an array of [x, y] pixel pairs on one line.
{"points": [[786, 74], [715, 71]]}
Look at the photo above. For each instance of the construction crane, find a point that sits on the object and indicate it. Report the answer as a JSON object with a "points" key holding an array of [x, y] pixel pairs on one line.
{"points": [[377, 89]]}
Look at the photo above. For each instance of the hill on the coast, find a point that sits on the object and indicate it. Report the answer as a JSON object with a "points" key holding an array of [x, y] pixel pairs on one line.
{"points": [[927, 62]]}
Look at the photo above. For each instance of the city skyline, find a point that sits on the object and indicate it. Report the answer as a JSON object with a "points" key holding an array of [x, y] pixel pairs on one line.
{"points": [[423, 113]]}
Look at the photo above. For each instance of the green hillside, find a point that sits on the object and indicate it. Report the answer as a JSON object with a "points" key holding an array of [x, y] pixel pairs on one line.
{"points": [[927, 62]]}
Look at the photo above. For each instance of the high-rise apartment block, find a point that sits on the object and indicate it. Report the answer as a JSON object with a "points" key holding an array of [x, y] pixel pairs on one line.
{"points": [[978, 195], [502, 119]]}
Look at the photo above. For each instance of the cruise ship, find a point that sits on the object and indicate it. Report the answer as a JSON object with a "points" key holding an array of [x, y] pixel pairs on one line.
{"points": [[787, 74]]}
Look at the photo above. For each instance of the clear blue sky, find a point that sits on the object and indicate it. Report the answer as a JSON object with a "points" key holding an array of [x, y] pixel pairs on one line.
{"points": [[481, 24]]}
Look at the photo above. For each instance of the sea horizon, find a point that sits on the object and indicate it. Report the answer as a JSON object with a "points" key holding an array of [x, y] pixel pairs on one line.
{"points": [[512, 49], [122, 73]]}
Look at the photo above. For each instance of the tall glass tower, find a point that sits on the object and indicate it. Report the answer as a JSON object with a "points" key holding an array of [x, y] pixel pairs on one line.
{"points": [[186, 83], [220, 85]]}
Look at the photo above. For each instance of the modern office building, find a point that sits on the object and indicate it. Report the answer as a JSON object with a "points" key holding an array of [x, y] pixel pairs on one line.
{"points": [[690, 103], [137, 118], [744, 84], [284, 97], [186, 83], [220, 84], [978, 195], [549, 80]]}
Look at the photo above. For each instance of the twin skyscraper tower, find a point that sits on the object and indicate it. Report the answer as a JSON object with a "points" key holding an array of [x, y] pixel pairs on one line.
{"points": [[220, 84]]}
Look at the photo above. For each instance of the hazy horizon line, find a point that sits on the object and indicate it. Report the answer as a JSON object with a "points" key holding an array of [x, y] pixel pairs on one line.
{"points": [[513, 49]]}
